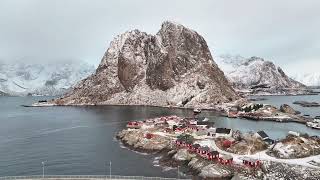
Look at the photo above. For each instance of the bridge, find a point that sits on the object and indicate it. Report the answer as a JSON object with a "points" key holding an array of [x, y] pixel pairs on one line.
{"points": [[83, 177]]}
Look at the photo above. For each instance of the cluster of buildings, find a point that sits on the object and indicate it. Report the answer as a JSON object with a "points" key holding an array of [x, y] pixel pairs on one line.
{"points": [[213, 155], [200, 128], [204, 151]]}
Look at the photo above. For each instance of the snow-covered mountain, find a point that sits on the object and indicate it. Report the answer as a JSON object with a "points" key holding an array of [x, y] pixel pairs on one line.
{"points": [[171, 68], [256, 74], [42, 78], [309, 79]]}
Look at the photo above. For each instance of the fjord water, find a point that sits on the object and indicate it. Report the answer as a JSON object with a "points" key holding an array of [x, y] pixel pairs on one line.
{"points": [[279, 100], [80, 140]]}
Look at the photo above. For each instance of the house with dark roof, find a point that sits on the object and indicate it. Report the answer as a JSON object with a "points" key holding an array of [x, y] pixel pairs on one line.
{"points": [[262, 135], [269, 141], [195, 147], [223, 132], [205, 123]]}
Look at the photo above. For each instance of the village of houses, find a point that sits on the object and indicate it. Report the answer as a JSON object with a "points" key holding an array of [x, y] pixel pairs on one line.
{"points": [[230, 148]]}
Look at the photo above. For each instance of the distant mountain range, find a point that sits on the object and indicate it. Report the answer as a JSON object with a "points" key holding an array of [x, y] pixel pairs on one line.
{"points": [[309, 79], [41, 78], [258, 76]]}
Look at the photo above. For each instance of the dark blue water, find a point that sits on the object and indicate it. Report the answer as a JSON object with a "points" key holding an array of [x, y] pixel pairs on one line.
{"points": [[80, 140], [73, 140]]}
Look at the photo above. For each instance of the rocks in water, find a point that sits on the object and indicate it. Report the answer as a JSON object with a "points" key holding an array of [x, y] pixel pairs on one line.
{"points": [[172, 68], [285, 108], [307, 104]]}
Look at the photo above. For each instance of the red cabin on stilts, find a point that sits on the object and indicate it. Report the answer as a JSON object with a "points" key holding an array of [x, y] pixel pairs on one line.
{"points": [[213, 155], [252, 163], [226, 159]]}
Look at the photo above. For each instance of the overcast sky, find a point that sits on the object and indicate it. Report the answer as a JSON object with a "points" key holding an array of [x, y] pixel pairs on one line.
{"points": [[286, 31]]}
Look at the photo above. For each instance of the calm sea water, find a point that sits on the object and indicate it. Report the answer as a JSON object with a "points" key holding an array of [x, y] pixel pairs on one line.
{"points": [[80, 140], [279, 100]]}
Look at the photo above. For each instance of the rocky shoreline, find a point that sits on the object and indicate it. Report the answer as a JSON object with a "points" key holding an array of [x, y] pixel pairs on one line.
{"points": [[150, 138], [171, 157], [265, 113]]}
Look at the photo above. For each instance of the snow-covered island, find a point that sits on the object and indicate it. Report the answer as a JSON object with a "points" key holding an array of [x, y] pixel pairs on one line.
{"points": [[211, 152]]}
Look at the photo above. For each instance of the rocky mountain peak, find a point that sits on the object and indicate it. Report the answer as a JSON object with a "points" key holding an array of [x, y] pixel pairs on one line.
{"points": [[254, 59], [172, 68], [256, 73]]}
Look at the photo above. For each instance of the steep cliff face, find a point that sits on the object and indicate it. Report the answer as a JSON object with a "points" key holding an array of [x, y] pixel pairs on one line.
{"points": [[172, 68]]}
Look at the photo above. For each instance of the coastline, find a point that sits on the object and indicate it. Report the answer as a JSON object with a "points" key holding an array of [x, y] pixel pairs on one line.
{"points": [[173, 156], [221, 110]]}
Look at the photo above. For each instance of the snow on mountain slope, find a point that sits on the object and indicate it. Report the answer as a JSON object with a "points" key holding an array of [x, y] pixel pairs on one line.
{"points": [[171, 68], [309, 79], [256, 73], [229, 63], [41, 79]]}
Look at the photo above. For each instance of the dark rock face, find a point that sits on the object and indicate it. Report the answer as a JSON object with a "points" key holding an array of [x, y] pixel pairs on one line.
{"points": [[172, 68], [285, 108]]}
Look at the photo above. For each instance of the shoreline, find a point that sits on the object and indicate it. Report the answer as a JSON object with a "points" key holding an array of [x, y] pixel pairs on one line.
{"points": [[217, 110], [173, 156], [166, 159]]}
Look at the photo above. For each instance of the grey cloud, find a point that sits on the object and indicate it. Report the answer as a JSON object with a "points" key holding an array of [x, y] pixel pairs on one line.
{"points": [[50, 30]]}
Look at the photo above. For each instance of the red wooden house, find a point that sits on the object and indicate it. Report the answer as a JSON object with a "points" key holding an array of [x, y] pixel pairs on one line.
{"points": [[203, 151], [253, 163], [182, 143], [213, 155], [134, 124], [226, 159]]}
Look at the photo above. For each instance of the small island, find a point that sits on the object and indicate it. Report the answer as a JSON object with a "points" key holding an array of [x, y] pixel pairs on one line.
{"points": [[216, 152]]}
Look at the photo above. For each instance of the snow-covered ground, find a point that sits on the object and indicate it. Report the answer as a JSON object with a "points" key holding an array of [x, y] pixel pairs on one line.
{"points": [[41, 78], [261, 156], [245, 73]]}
